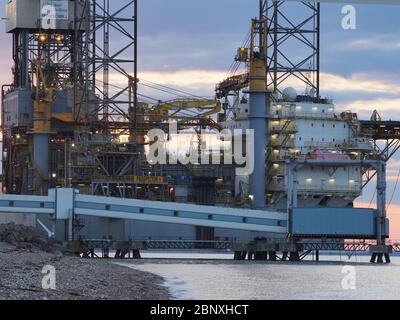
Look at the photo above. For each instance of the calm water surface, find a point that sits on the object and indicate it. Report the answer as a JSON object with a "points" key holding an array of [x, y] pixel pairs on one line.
{"points": [[194, 276]]}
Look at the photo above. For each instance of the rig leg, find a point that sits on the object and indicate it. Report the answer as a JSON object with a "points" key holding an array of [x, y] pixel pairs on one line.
{"points": [[380, 252]]}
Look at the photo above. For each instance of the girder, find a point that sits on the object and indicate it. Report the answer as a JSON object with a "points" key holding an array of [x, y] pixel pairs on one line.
{"points": [[63, 203]]}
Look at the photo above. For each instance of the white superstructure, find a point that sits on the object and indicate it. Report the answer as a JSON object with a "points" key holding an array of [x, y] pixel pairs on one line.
{"points": [[303, 129]]}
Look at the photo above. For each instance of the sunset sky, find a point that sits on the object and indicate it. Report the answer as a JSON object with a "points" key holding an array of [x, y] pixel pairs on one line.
{"points": [[190, 45]]}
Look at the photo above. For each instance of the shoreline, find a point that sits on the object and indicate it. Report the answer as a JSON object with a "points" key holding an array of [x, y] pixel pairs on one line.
{"points": [[173, 288], [76, 278]]}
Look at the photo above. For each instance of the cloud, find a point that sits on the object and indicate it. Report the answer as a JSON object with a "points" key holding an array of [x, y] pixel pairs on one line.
{"points": [[378, 42], [388, 108], [395, 164], [359, 82], [393, 215], [391, 177], [186, 78], [392, 171], [182, 51], [204, 80], [196, 82]]}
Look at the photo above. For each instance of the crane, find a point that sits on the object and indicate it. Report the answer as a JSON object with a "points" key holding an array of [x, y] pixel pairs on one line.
{"points": [[208, 106]]}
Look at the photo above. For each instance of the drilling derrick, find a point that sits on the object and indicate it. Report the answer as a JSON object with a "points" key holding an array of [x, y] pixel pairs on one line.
{"points": [[293, 53], [73, 95], [38, 106]]}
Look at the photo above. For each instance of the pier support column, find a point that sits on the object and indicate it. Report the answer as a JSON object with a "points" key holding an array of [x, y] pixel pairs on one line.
{"points": [[240, 255], [261, 256], [285, 255], [294, 256], [136, 254], [272, 256]]}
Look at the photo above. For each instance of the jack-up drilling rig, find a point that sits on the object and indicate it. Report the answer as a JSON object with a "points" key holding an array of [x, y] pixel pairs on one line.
{"points": [[72, 118]]}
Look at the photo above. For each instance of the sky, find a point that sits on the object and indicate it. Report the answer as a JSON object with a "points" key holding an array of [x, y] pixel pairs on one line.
{"points": [[190, 44]]}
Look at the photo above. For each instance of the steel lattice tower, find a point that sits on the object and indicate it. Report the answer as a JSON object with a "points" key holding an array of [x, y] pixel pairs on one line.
{"points": [[109, 61], [293, 44]]}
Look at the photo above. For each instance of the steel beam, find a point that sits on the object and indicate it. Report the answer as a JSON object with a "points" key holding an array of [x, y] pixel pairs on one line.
{"points": [[184, 214], [62, 203]]}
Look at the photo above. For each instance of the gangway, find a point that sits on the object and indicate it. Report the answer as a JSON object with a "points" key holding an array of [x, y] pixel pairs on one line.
{"points": [[64, 203]]}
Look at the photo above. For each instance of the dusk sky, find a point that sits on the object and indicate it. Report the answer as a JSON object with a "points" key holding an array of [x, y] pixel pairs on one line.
{"points": [[190, 45]]}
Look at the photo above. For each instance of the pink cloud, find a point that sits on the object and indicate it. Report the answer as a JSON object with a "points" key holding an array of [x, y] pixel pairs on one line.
{"points": [[393, 213]]}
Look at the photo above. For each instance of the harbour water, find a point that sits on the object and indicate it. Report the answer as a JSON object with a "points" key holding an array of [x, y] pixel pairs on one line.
{"points": [[212, 276]]}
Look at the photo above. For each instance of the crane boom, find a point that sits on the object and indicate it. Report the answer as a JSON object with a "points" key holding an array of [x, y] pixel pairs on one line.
{"points": [[210, 106]]}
